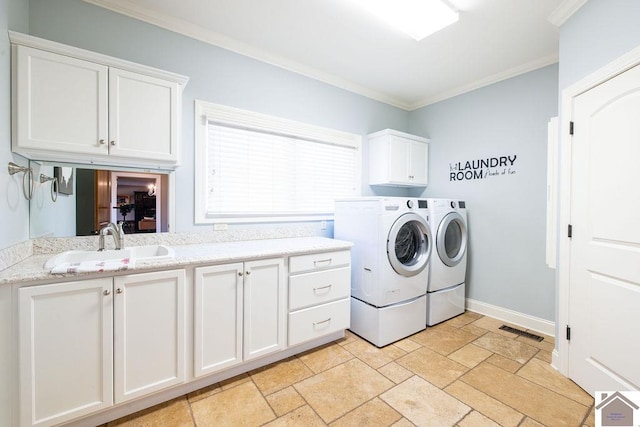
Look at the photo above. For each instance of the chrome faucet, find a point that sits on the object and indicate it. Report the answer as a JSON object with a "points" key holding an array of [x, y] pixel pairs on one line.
{"points": [[116, 231]]}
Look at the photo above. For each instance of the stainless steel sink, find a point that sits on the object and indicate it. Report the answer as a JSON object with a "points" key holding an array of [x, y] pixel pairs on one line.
{"points": [[135, 253]]}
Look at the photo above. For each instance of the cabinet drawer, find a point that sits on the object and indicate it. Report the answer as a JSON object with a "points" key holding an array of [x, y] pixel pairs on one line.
{"points": [[318, 261], [319, 287], [314, 322]]}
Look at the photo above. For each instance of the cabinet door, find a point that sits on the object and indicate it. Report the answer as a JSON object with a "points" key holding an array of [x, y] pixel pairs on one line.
{"points": [[143, 116], [60, 103], [65, 334], [218, 317], [399, 155], [265, 310], [149, 333], [419, 160]]}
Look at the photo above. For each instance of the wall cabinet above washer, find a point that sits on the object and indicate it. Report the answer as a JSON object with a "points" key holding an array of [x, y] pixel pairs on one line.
{"points": [[77, 106], [398, 159]]}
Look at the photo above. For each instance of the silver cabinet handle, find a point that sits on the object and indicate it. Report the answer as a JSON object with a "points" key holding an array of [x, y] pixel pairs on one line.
{"points": [[320, 261], [106, 292], [113, 143], [321, 288], [248, 272], [102, 142], [119, 291], [240, 273], [322, 321]]}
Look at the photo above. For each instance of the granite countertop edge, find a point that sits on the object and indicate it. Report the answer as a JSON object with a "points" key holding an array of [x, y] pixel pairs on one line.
{"points": [[32, 269]]}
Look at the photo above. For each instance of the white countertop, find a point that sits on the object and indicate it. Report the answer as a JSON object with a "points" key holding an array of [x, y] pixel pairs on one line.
{"points": [[32, 269]]}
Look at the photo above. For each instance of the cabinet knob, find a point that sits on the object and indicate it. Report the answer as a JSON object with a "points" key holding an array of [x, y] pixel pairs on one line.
{"points": [[240, 273], [106, 292], [112, 143], [248, 272], [102, 141], [119, 291]]}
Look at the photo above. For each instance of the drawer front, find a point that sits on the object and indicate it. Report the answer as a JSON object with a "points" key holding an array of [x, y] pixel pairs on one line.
{"points": [[319, 261], [314, 322], [319, 287]]}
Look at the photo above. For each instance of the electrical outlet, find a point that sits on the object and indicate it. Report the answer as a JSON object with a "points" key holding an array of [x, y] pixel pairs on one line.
{"points": [[323, 225], [220, 227]]}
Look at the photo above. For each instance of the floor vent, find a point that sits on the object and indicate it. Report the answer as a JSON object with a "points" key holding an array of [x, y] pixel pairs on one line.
{"points": [[523, 333]]}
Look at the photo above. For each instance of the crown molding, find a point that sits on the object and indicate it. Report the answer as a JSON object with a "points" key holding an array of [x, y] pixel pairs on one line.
{"points": [[565, 11], [495, 78], [127, 8], [132, 10]]}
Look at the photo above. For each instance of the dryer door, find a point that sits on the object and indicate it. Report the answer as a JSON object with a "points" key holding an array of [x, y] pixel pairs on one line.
{"points": [[409, 244], [451, 240]]}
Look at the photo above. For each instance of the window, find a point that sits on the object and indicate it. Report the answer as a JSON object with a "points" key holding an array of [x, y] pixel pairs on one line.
{"points": [[253, 167]]}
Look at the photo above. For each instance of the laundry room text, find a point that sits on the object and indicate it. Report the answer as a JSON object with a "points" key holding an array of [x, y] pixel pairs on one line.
{"points": [[482, 168]]}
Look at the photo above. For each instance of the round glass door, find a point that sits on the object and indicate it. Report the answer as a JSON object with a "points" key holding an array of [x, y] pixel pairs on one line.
{"points": [[451, 241], [409, 244]]}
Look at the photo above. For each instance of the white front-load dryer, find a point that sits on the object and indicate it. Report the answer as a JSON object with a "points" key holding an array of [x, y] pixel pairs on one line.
{"points": [[390, 264], [448, 266]]}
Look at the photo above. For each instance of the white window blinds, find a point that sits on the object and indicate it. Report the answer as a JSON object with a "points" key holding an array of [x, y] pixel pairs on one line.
{"points": [[256, 166]]}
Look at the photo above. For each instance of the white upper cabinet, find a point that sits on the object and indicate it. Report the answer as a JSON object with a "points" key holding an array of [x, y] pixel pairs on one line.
{"points": [[60, 103], [143, 117], [398, 159], [72, 105]]}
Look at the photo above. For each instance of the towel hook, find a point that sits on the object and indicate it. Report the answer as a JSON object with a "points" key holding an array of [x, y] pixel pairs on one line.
{"points": [[28, 173], [54, 185]]}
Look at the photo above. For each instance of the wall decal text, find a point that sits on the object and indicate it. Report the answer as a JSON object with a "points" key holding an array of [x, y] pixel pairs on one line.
{"points": [[482, 168]]}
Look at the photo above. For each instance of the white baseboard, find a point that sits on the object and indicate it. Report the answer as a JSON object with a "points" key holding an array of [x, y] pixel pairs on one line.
{"points": [[520, 319]]}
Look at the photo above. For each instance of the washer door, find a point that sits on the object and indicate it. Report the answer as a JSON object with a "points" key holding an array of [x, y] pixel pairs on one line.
{"points": [[409, 244], [451, 241]]}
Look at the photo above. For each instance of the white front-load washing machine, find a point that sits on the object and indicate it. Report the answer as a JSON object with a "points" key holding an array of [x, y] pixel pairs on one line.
{"points": [[448, 266], [389, 264]]}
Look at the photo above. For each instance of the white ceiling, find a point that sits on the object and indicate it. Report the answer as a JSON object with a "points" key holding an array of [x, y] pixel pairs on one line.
{"points": [[333, 41]]}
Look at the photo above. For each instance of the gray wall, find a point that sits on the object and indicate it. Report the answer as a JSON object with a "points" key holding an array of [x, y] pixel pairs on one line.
{"points": [[14, 209], [598, 33], [216, 75], [506, 265]]}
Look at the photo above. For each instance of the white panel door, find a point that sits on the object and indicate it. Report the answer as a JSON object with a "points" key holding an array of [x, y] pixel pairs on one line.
{"points": [[149, 332], [265, 309], [61, 103], [65, 334], [218, 317], [143, 116], [604, 309]]}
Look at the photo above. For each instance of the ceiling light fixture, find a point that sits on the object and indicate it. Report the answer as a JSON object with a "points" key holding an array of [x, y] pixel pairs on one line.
{"points": [[417, 18]]}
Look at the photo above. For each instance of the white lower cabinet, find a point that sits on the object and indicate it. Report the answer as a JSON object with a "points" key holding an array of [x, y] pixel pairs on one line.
{"points": [[85, 346], [149, 331], [65, 349], [88, 344], [319, 291], [218, 317], [240, 313]]}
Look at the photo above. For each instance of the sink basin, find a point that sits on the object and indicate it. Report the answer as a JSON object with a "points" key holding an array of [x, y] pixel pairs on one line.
{"points": [[135, 253], [150, 252]]}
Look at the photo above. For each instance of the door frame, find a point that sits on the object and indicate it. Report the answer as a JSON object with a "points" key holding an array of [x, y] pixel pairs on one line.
{"points": [[560, 356]]}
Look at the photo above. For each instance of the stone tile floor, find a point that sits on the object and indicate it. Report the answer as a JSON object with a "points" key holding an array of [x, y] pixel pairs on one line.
{"points": [[463, 372]]}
